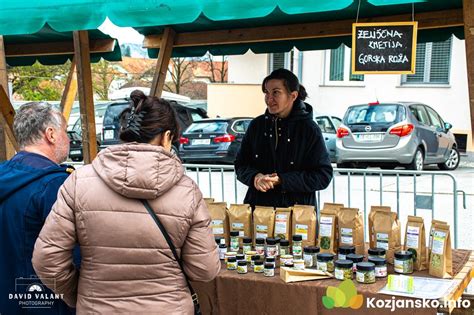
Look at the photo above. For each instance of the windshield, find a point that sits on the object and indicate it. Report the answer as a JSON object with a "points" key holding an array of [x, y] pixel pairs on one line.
{"points": [[208, 127], [366, 114], [113, 112]]}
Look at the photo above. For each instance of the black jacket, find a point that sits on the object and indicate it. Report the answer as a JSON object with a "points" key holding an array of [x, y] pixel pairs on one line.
{"points": [[293, 148]]}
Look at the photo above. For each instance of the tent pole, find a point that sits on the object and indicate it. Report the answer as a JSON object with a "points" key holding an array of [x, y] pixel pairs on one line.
{"points": [[164, 56], [8, 144], [86, 97], [70, 91], [468, 11]]}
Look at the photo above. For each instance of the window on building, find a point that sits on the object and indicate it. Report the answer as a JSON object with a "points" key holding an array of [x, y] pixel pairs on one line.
{"points": [[281, 60], [339, 64], [433, 61]]}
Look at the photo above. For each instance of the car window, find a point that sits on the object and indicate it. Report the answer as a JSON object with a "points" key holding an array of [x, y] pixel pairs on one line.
{"points": [[336, 121], [325, 124], [208, 127], [435, 121], [240, 126], [112, 113], [420, 114], [74, 136], [373, 114], [196, 116]]}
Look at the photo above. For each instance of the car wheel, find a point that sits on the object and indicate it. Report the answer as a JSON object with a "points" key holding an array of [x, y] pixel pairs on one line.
{"points": [[418, 161], [452, 162]]}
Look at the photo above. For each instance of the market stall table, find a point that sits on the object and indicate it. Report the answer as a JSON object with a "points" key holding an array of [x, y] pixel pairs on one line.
{"points": [[233, 293]]}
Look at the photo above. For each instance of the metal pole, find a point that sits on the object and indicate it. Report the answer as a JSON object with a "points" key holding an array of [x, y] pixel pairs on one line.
{"points": [[380, 185], [235, 186], [455, 195], [414, 192], [333, 189], [222, 183], [349, 189], [365, 205], [398, 195], [210, 182], [433, 195]]}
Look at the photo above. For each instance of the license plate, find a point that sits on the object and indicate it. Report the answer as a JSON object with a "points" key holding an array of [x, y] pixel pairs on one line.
{"points": [[108, 134], [75, 152], [201, 141], [369, 137]]}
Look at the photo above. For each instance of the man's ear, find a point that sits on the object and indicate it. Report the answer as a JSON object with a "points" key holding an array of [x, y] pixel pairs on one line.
{"points": [[50, 135]]}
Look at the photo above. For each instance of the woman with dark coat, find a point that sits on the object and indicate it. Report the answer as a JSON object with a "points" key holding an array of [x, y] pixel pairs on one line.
{"points": [[283, 157]]}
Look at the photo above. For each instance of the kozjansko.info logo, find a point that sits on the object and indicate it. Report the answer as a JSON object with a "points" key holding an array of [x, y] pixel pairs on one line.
{"points": [[345, 295]]}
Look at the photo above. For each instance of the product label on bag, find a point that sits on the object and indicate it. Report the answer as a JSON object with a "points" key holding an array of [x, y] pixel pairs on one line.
{"points": [[413, 237], [326, 226], [217, 227], [346, 236], [302, 230], [236, 226], [261, 231], [382, 240], [280, 223], [438, 242]]}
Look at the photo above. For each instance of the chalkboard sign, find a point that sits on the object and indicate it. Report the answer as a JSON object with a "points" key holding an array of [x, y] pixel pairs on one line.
{"points": [[384, 48]]}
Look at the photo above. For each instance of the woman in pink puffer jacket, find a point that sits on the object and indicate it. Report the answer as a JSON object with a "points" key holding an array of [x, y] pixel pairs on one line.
{"points": [[127, 266]]}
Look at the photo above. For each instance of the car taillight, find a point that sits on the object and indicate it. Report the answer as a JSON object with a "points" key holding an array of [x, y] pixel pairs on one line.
{"points": [[224, 138], [342, 132], [183, 140], [403, 130]]}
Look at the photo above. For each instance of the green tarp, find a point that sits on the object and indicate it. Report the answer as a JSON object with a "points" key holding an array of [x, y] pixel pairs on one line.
{"points": [[47, 35]]}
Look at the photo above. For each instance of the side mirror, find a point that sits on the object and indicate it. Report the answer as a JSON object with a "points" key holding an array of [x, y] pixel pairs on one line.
{"points": [[447, 126]]}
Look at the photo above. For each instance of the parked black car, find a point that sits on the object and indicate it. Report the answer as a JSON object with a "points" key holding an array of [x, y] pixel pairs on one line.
{"points": [[213, 140], [75, 146], [111, 124]]}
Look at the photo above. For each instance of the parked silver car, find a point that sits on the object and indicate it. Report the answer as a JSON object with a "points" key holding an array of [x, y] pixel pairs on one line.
{"points": [[391, 134], [329, 125]]}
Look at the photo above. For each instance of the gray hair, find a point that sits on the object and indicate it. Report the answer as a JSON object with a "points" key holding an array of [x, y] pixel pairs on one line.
{"points": [[32, 119]]}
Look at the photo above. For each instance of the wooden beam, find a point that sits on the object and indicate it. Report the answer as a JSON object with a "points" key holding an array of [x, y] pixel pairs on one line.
{"points": [[426, 20], [57, 48], [8, 143], [70, 91], [86, 99], [164, 56], [468, 8]]}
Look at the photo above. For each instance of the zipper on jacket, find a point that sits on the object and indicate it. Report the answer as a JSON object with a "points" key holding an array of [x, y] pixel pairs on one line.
{"points": [[276, 134]]}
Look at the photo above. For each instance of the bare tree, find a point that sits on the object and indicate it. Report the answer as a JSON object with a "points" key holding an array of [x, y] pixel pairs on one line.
{"points": [[180, 70], [218, 69]]}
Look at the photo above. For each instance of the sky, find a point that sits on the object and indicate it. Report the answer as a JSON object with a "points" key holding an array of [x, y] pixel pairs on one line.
{"points": [[123, 34]]}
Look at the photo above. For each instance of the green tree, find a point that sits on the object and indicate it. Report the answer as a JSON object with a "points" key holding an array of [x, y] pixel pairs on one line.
{"points": [[38, 82], [103, 74]]}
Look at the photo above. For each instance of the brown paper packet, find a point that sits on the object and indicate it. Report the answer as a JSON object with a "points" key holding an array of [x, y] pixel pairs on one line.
{"points": [[304, 223], [240, 219], [415, 242], [263, 222], [430, 240], [327, 239], [372, 212], [219, 220], [351, 229], [208, 201], [387, 233], [441, 259], [283, 224]]}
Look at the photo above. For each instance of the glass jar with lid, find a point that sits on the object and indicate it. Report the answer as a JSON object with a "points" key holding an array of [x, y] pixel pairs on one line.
{"points": [[355, 259], [234, 241], [343, 269], [242, 267], [325, 262], [297, 247], [365, 272], [310, 256], [231, 263], [271, 249], [403, 262], [377, 252], [269, 270], [260, 246], [380, 266], [284, 247], [246, 244], [345, 250], [258, 266]]}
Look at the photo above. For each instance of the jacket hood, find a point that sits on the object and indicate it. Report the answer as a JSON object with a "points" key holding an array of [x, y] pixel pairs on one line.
{"points": [[137, 170], [14, 176], [300, 111]]}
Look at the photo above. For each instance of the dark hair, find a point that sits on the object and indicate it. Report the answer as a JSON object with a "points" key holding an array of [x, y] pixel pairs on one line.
{"points": [[147, 117], [290, 81]]}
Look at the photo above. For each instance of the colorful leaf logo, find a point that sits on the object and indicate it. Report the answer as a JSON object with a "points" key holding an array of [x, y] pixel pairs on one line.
{"points": [[343, 296]]}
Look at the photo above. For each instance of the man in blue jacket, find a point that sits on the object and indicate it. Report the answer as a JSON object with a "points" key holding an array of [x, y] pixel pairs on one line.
{"points": [[283, 157], [29, 184]]}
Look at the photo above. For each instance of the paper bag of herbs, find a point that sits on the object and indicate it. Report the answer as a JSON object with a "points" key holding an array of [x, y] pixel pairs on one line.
{"points": [[240, 219], [327, 239], [219, 220], [441, 259], [283, 224], [351, 229], [263, 222], [385, 232], [304, 224], [415, 242]]}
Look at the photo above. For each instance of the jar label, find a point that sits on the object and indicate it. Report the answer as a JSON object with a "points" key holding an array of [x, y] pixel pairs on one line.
{"points": [[322, 266], [413, 237], [242, 269], [439, 238], [382, 240], [339, 273], [271, 251], [246, 248], [326, 226], [346, 236], [380, 271], [222, 252], [217, 227], [260, 249], [297, 250], [308, 260], [360, 277], [280, 223], [258, 268], [302, 229]]}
